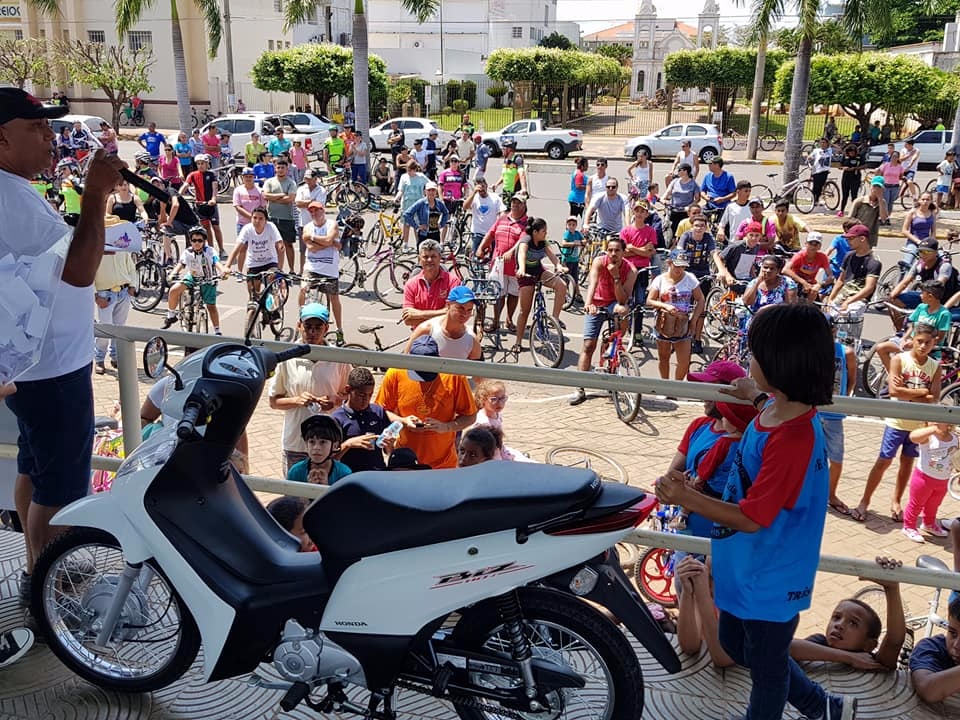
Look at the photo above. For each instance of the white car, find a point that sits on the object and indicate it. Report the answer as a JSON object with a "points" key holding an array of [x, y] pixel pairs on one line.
{"points": [[932, 144], [90, 122], [414, 128], [309, 123], [242, 125], [665, 143]]}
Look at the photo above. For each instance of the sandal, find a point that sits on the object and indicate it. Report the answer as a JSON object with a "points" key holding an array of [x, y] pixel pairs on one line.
{"points": [[896, 515], [858, 514], [517, 349], [839, 507]]}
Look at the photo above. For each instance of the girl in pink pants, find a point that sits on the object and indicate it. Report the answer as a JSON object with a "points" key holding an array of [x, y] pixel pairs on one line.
{"points": [[928, 484]]}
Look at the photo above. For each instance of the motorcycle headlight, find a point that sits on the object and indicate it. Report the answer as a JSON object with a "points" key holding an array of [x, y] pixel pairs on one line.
{"points": [[149, 454]]}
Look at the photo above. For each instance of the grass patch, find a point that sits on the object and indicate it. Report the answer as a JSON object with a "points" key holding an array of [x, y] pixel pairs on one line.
{"points": [[483, 120]]}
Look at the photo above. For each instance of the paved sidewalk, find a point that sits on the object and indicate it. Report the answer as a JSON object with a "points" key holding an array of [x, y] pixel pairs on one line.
{"points": [[537, 418]]}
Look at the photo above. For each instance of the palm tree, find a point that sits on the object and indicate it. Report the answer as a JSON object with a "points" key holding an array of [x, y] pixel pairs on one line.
{"points": [[796, 120], [765, 13], [297, 11], [129, 13]]}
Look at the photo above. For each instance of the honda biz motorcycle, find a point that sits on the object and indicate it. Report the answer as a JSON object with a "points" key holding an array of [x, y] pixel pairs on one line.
{"points": [[467, 585]]}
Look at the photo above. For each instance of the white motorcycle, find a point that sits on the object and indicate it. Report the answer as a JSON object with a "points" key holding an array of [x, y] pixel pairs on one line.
{"points": [[467, 585]]}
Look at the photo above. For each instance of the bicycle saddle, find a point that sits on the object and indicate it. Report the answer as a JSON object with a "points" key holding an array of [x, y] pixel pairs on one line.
{"points": [[928, 562], [364, 329]]}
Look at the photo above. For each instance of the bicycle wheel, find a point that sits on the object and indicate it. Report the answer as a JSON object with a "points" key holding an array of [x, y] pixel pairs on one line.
{"points": [[373, 240], [634, 332], [253, 329], [546, 341], [627, 403], [603, 465], [907, 199], [888, 281], [202, 319], [151, 285], [769, 142], [764, 193], [729, 142], [224, 177], [802, 198], [187, 317], [355, 196], [950, 395], [714, 324], [349, 269], [806, 148], [830, 196], [388, 283], [654, 576], [872, 373]]}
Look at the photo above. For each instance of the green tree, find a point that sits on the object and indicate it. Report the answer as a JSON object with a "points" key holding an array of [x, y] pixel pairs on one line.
{"points": [[322, 70], [497, 92], [556, 40], [899, 22], [23, 61], [120, 73], [829, 38], [623, 54], [297, 11]]}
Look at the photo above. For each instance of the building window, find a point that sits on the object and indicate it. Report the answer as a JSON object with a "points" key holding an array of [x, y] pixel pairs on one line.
{"points": [[96, 36], [546, 15], [641, 81], [312, 17], [644, 43], [269, 44], [278, 5], [533, 33], [516, 32], [659, 80], [140, 40], [18, 34]]}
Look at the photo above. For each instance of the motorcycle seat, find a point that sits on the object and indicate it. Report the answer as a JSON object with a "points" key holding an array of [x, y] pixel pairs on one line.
{"points": [[370, 513]]}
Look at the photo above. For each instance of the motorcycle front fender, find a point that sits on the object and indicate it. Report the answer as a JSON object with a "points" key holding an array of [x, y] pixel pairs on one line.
{"points": [[614, 591], [106, 511]]}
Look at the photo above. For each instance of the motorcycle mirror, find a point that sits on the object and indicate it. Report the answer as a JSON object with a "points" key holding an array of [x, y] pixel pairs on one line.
{"points": [[155, 360]]}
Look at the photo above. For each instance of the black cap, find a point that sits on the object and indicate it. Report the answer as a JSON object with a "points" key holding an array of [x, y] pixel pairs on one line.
{"points": [[18, 104], [405, 459]]}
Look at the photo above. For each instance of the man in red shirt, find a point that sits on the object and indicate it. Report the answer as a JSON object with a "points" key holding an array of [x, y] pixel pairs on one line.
{"points": [[425, 294], [202, 185], [806, 266], [503, 237], [611, 286]]}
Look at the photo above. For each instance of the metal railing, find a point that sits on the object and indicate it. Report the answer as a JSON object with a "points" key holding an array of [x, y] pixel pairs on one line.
{"points": [[126, 337]]}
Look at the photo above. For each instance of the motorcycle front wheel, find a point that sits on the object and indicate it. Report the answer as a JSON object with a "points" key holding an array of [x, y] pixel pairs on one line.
{"points": [[565, 631], [155, 639]]}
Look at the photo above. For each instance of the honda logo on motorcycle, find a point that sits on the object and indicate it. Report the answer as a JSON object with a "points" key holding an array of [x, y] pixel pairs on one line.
{"points": [[469, 576]]}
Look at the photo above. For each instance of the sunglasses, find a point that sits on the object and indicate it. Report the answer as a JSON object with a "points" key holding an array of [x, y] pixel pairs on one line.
{"points": [[197, 240], [499, 399]]}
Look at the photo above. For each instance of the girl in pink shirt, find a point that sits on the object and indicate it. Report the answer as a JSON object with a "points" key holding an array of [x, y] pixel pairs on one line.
{"points": [[298, 159], [892, 172]]}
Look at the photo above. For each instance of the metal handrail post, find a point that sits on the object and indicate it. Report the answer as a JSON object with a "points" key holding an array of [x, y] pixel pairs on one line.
{"points": [[129, 394]]}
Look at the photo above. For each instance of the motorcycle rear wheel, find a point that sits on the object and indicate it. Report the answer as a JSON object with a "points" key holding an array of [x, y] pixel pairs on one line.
{"points": [[568, 631], [156, 638]]}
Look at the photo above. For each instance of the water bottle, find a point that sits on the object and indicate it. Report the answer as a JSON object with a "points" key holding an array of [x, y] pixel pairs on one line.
{"points": [[841, 336], [391, 433], [314, 408]]}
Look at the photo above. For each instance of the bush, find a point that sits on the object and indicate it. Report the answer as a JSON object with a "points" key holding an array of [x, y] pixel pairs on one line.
{"points": [[446, 110], [470, 93], [497, 92], [453, 91], [460, 106]]}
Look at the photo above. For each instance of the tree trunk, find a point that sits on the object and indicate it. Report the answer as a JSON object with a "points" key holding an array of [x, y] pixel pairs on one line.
{"points": [[753, 132], [180, 70], [361, 70], [798, 111]]}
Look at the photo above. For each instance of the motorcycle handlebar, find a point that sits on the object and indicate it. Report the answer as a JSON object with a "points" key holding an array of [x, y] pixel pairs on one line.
{"points": [[293, 352], [188, 423]]}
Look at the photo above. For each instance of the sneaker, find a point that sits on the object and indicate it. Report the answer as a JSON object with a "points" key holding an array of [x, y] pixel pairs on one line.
{"points": [[99, 369], [841, 707], [168, 321], [23, 589], [579, 397], [839, 213], [937, 530], [113, 363], [217, 332], [14, 644], [339, 337], [913, 534], [696, 346]]}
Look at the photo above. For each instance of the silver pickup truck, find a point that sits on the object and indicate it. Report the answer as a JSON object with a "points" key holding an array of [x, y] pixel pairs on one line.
{"points": [[532, 136]]}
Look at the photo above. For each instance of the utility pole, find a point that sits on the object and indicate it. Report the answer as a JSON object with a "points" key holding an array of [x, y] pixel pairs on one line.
{"points": [[228, 43]]}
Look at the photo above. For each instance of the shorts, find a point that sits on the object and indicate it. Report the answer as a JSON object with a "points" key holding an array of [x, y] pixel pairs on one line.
{"points": [[257, 269], [909, 299], [893, 439], [530, 279], [943, 188], [288, 230], [593, 324], [208, 214], [509, 285], [573, 269], [55, 420], [833, 435], [208, 291], [324, 283], [909, 174]]}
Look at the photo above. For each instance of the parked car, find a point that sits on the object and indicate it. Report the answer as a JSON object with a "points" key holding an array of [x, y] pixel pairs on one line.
{"points": [[308, 122], [91, 122], [242, 125], [533, 136], [665, 143], [413, 128], [932, 144]]}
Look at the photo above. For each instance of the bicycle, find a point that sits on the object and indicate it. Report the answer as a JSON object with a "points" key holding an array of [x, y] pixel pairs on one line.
{"points": [[545, 334], [389, 274], [615, 360], [227, 173], [131, 116], [603, 465], [266, 309], [461, 220], [197, 120], [193, 312], [770, 142], [389, 226], [654, 571], [719, 318], [151, 285], [799, 192], [736, 348], [875, 597], [343, 191], [908, 258]]}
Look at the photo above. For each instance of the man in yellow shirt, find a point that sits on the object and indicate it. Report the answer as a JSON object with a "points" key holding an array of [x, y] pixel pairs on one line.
{"points": [[687, 223], [788, 227], [252, 150]]}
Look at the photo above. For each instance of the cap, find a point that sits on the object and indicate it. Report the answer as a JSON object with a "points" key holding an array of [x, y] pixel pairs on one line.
{"points": [[461, 294], [719, 372], [573, 218], [424, 346], [520, 197], [333, 128], [738, 414], [857, 231], [316, 204], [454, 158], [815, 237], [404, 458], [755, 201], [202, 157], [315, 310], [247, 171], [754, 227], [877, 180], [224, 133], [16, 104], [430, 186], [679, 258], [310, 173], [928, 244], [433, 132]]}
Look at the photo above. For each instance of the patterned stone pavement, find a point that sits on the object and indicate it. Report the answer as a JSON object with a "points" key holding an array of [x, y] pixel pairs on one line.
{"points": [[537, 419]]}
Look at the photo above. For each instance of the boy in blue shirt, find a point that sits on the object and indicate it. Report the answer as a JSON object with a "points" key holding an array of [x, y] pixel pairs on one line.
{"points": [[768, 524], [323, 437], [570, 254], [935, 662], [840, 247]]}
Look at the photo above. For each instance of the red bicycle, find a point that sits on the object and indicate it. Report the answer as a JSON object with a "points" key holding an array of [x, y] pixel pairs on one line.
{"points": [[616, 360]]}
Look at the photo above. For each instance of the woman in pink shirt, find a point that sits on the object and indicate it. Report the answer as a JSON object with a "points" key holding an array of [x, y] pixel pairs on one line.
{"points": [[640, 245], [247, 198], [211, 145], [169, 167], [504, 236], [298, 160], [892, 172]]}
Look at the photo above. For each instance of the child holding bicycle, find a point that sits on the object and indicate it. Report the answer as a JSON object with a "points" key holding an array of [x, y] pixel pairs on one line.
{"points": [[935, 662], [769, 522], [257, 248], [570, 247], [937, 443], [202, 266], [931, 312]]}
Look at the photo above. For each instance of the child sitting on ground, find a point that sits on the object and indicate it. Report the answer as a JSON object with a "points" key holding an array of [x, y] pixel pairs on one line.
{"points": [[323, 437], [478, 445], [937, 443], [288, 512], [696, 613]]}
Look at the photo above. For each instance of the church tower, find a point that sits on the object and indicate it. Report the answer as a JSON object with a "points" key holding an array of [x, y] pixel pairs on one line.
{"points": [[709, 20]]}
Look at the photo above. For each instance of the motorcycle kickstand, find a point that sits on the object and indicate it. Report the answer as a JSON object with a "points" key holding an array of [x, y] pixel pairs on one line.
{"points": [[130, 574]]}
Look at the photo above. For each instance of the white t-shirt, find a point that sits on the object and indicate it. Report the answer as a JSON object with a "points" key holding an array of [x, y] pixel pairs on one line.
{"points": [[679, 295], [200, 265], [319, 193], [597, 184], [935, 457], [820, 160], [325, 261], [302, 375], [945, 169], [484, 212], [31, 227], [261, 249]]}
